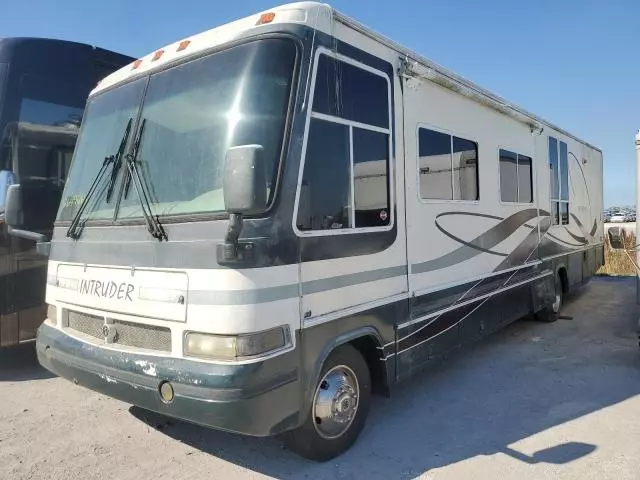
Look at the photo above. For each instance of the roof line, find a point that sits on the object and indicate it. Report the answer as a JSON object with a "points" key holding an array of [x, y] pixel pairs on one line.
{"points": [[505, 105]]}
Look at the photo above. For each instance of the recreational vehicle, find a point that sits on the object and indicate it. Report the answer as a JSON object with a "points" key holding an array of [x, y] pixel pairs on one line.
{"points": [[266, 223], [44, 84]]}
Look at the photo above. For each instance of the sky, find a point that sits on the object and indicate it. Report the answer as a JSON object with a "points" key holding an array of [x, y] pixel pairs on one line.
{"points": [[575, 63]]}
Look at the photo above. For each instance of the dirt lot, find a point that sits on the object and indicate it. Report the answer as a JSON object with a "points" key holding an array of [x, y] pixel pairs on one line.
{"points": [[533, 401]]}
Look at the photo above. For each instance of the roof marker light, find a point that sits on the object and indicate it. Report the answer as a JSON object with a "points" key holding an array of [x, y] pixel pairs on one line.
{"points": [[157, 55], [266, 18], [136, 64], [183, 44]]}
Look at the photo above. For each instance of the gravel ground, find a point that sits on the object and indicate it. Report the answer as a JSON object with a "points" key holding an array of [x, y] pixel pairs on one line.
{"points": [[533, 401]]}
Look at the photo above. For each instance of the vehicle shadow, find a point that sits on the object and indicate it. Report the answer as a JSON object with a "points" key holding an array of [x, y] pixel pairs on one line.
{"points": [[20, 363], [517, 383]]}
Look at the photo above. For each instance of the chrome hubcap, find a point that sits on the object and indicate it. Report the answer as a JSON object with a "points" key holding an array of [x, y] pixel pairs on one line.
{"points": [[556, 304], [335, 402]]}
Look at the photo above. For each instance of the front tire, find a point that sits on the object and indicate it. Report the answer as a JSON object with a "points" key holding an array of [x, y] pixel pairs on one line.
{"points": [[338, 408]]}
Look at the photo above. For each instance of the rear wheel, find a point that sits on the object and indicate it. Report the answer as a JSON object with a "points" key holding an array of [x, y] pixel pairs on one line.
{"points": [[550, 313], [338, 409]]}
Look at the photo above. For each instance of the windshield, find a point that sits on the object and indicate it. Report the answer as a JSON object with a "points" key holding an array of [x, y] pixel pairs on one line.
{"points": [[193, 114], [107, 116]]}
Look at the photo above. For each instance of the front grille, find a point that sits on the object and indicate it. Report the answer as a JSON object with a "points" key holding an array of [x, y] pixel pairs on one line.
{"points": [[130, 334], [142, 336], [87, 324]]}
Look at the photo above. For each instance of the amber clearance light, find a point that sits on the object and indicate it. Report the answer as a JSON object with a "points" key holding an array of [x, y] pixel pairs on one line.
{"points": [[266, 18]]}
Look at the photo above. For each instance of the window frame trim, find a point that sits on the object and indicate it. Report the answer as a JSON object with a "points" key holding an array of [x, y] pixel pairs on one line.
{"points": [[452, 134], [559, 200], [351, 124], [533, 177]]}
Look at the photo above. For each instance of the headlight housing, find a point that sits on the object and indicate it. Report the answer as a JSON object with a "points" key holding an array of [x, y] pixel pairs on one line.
{"points": [[234, 347]]}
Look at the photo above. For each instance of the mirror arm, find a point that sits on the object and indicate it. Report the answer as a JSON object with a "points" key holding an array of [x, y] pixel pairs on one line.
{"points": [[27, 235], [234, 229], [232, 252]]}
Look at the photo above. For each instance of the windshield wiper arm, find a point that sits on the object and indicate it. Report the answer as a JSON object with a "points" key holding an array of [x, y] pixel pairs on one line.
{"points": [[117, 159], [75, 229], [153, 223]]}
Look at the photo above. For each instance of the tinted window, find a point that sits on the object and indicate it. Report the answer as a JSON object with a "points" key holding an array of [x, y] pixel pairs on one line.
{"points": [[516, 177], [525, 180], [553, 164], [53, 99], [346, 91], [564, 172], [48, 113], [325, 193], [3, 78], [559, 173], [508, 176], [465, 169], [434, 164], [447, 166], [371, 178], [345, 182]]}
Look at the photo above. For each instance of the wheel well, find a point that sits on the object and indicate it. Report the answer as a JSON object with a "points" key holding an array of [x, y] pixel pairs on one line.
{"points": [[368, 348], [564, 281]]}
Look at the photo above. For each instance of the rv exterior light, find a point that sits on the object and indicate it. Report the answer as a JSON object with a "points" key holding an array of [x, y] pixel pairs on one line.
{"points": [[183, 44], [266, 18], [157, 55], [232, 347], [536, 129], [136, 64]]}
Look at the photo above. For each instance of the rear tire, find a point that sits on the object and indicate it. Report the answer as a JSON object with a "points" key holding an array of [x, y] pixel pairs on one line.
{"points": [[338, 409], [551, 313]]}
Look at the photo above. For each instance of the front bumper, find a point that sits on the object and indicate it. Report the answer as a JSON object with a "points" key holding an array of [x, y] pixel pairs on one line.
{"points": [[258, 399]]}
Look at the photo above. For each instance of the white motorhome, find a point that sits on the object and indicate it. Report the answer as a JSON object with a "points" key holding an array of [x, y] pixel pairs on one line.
{"points": [[268, 222]]}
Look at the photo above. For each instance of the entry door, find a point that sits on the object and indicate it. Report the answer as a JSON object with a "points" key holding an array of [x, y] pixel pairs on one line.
{"points": [[348, 213]]}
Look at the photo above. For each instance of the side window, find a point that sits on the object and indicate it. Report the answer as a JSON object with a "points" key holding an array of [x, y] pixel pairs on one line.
{"points": [[326, 186], [447, 166], [559, 183], [516, 177], [346, 180]]}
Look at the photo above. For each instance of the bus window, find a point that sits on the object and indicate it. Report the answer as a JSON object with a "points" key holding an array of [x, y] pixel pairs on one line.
{"points": [[51, 100]]}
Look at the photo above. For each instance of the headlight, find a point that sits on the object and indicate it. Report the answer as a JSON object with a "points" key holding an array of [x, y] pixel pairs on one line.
{"points": [[231, 347], [52, 314]]}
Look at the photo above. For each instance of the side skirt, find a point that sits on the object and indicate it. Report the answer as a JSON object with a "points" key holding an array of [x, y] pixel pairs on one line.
{"points": [[420, 342]]}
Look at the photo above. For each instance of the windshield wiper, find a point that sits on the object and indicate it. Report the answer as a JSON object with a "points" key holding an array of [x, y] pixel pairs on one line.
{"points": [[75, 229], [153, 223]]}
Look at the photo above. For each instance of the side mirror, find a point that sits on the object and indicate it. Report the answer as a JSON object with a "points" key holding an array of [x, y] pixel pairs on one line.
{"points": [[244, 187], [13, 214], [7, 178], [244, 180], [616, 238], [14, 218]]}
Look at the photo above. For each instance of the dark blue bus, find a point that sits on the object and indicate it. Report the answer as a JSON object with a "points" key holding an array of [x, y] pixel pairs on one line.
{"points": [[44, 85]]}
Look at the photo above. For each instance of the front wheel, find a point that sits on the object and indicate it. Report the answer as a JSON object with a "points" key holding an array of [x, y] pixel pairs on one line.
{"points": [[338, 409]]}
